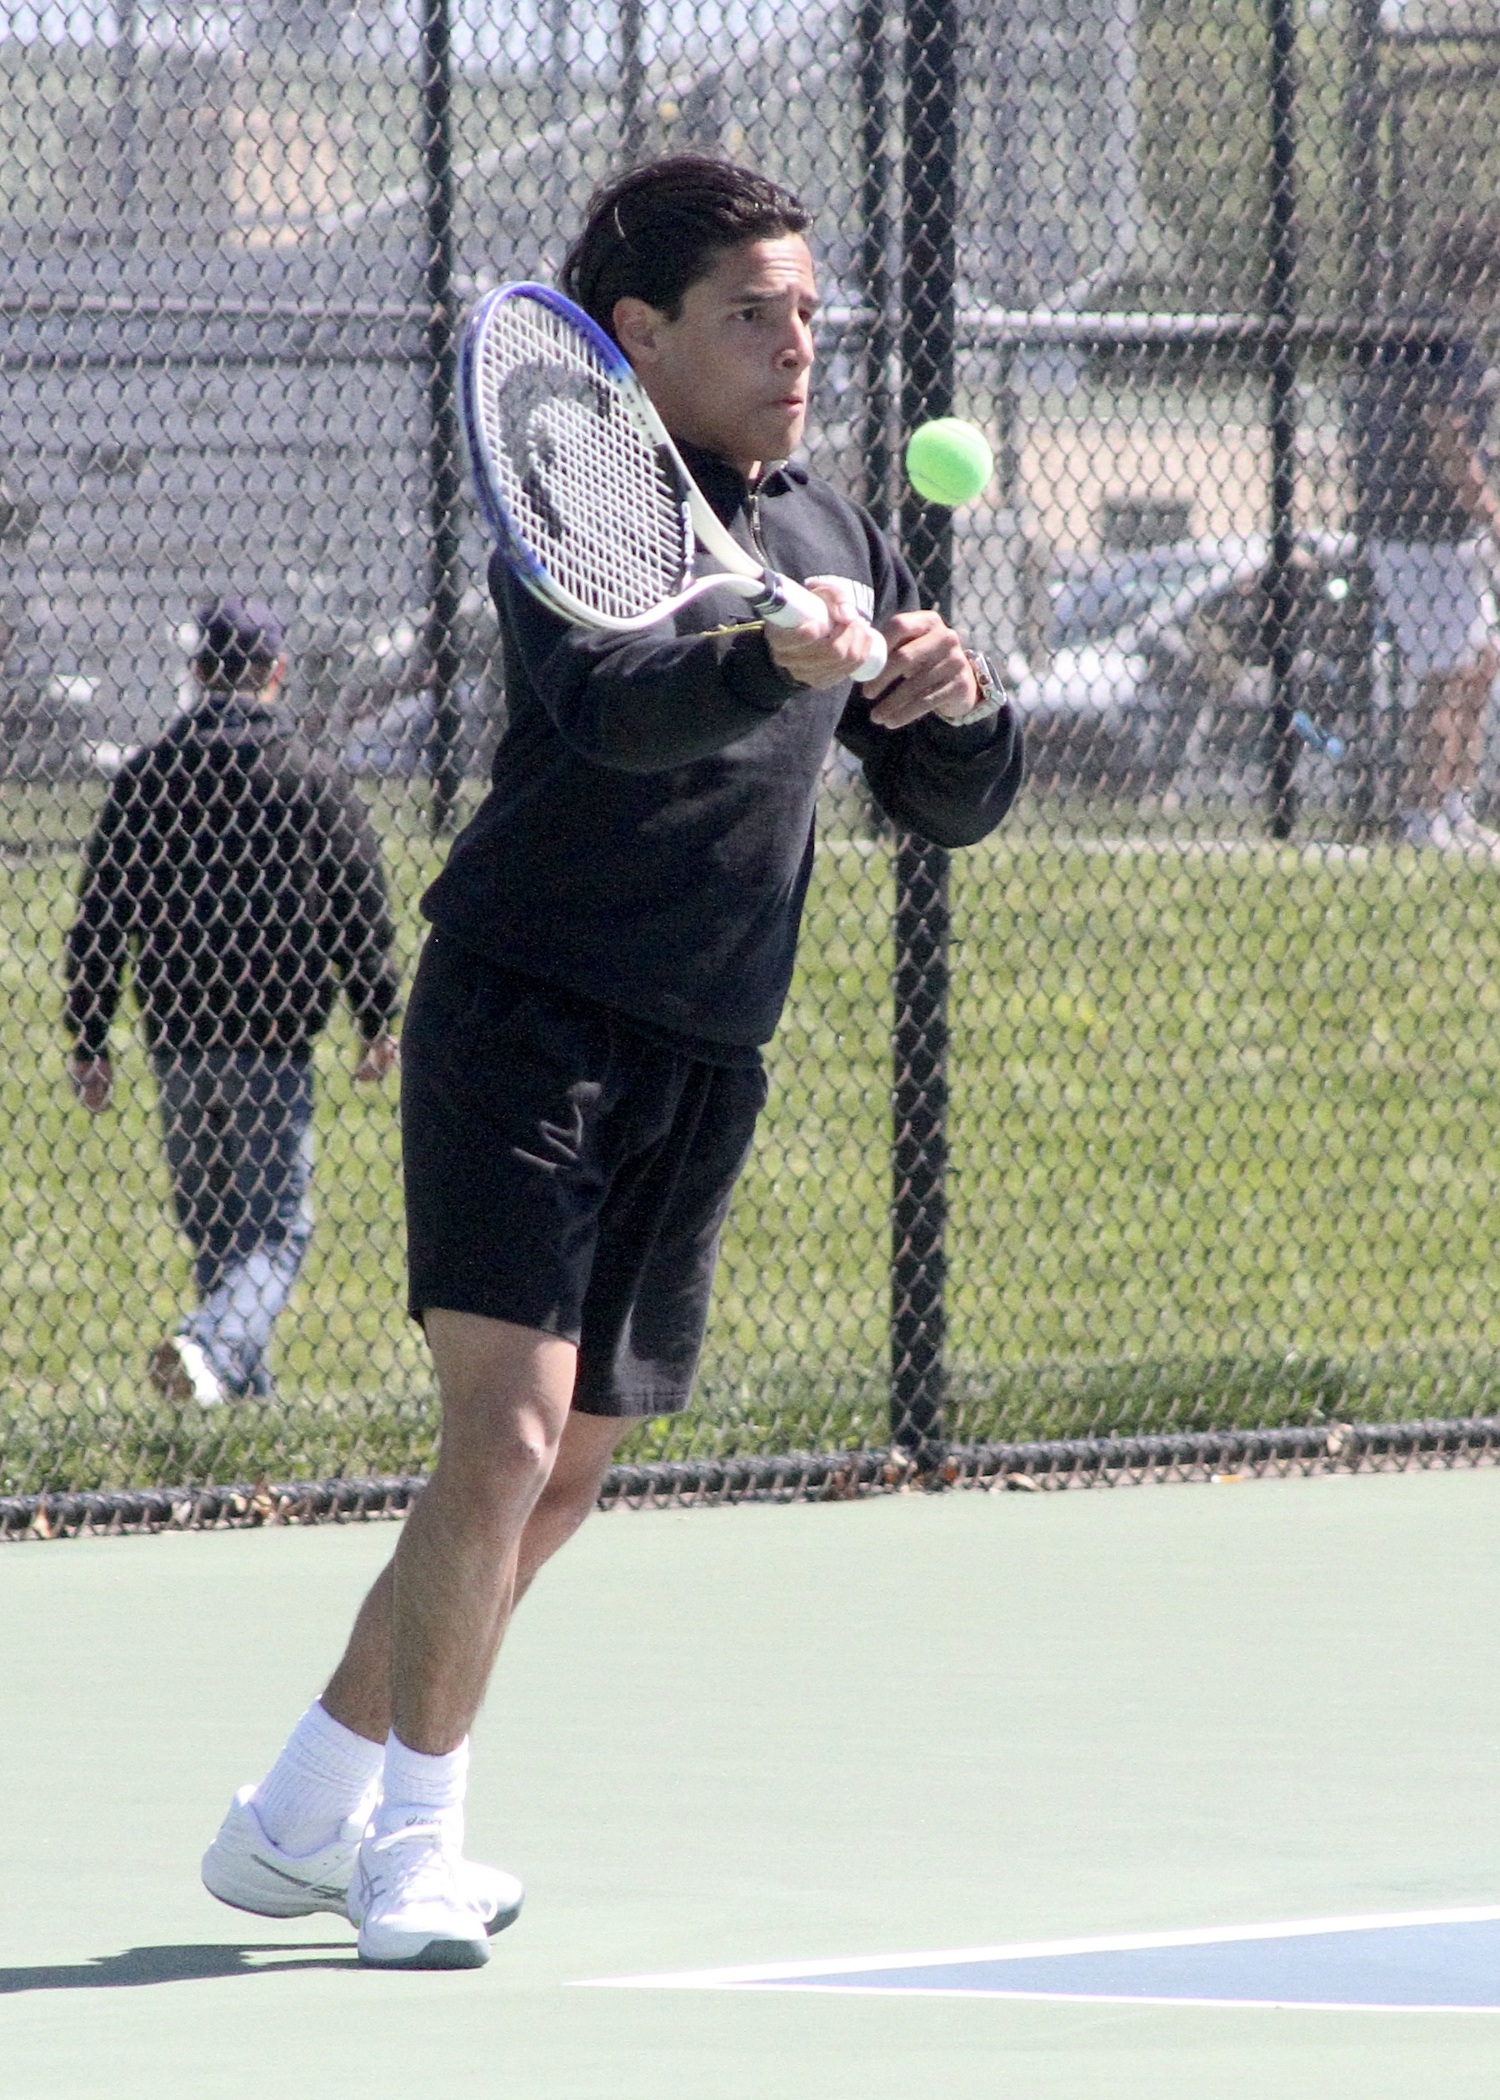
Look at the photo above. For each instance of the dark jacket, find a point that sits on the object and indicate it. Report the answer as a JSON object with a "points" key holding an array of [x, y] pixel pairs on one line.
{"points": [[240, 875], [648, 836]]}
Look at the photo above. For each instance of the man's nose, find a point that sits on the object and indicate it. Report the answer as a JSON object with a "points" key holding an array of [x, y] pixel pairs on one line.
{"points": [[797, 351]]}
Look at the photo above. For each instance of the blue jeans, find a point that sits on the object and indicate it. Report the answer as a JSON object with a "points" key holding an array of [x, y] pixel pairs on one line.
{"points": [[237, 1125]]}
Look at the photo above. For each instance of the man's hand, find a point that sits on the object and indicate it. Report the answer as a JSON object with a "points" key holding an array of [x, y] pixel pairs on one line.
{"points": [[926, 673], [91, 1079], [826, 659], [380, 1055]]}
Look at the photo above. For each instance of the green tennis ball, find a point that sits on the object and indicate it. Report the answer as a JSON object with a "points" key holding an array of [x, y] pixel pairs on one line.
{"points": [[948, 461]]}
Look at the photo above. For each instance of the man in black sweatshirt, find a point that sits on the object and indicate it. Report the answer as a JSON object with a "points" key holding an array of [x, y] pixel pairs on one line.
{"points": [[239, 878], [612, 941]]}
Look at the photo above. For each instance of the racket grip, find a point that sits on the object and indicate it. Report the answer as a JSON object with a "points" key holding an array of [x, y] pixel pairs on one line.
{"points": [[792, 605]]}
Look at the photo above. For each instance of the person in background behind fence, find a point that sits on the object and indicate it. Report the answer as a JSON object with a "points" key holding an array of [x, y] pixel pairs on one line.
{"points": [[238, 874], [1420, 405]]}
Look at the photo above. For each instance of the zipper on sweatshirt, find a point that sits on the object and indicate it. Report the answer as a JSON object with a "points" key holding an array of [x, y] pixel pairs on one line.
{"points": [[752, 512]]}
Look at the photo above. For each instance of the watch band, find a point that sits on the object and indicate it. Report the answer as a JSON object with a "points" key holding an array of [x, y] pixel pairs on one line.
{"points": [[992, 694]]}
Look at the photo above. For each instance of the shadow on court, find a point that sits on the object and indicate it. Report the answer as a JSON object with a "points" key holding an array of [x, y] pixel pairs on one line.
{"points": [[181, 1964]]}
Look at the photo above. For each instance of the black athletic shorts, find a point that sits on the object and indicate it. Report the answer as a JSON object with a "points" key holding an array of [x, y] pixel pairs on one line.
{"points": [[566, 1171]]}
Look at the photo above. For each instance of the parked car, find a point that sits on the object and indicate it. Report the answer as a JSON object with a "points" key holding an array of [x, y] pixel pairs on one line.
{"points": [[397, 744], [1159, 658], [49, 730], [365, 689]]}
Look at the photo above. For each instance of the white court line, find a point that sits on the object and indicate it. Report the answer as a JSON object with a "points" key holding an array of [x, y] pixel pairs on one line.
{"points": [[1038, 1996], [1269, 850], [769, 1974]]}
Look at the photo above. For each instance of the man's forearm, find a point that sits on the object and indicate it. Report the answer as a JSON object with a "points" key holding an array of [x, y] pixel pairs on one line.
{"points": [[88, 1012], [644, 703]]}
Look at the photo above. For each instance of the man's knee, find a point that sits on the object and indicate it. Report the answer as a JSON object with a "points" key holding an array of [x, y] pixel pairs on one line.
{"points": [[506, 1392], [588, 1446]]}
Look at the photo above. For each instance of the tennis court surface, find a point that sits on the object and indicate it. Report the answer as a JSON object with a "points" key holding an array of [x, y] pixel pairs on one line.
{"points": [[1061, 1794]]}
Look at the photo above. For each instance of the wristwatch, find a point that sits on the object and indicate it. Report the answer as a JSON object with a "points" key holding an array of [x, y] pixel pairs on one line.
{"points": [[992, 694]]}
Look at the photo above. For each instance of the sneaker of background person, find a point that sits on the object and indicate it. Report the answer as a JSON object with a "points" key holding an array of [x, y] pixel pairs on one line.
{"points": [[1468, 833], [1428, 827], [412, 1904], [180, 1369]]}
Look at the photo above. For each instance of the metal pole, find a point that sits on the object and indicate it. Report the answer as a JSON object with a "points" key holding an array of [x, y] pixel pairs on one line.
{"points": [[632, 82], [928, 338], [445, 582], [872, 73], [559, 26], [1362, 115], [1282, 357], [1362, 118], [123, 116]]}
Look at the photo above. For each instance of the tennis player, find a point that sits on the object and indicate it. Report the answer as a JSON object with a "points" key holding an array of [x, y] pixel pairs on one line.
{"points": [[611, 945]]}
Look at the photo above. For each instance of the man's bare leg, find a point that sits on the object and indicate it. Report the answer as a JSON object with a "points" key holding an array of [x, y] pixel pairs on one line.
{"points": [[506, 1395], [518, 1474], [359, 1692], [1449, 731]]}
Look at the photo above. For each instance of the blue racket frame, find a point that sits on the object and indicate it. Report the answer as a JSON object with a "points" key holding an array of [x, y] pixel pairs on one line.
{"points": [[507, 534]]}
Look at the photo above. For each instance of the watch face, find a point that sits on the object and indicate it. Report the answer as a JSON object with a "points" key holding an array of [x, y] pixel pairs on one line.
{"points": [[991, 691]]}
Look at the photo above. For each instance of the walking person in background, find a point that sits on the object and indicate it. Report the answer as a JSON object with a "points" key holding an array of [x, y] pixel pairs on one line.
{"points": [[238, 877], [1420, 408]]}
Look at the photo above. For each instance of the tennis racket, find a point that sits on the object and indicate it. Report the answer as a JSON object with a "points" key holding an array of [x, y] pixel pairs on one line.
{"points": [[588, 498]]}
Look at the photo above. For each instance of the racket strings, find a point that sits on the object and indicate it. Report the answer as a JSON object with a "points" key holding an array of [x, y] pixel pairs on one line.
{"points": [[583, 482]]}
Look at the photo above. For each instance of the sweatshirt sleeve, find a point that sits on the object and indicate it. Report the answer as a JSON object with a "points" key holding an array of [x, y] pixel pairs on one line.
{"points": [[364, 934], [950, 782], [98, 941], [640, 703]]}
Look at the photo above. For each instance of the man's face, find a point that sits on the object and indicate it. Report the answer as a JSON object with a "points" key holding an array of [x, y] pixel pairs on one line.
{"points": [[731, 372]]}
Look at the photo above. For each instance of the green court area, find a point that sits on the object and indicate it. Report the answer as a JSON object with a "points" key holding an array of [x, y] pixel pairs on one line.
{"points": [[779, 1735], [1224, 1151]]}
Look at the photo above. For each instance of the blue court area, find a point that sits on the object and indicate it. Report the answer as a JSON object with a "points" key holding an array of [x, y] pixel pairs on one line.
{"points": [[1442, 1961], [1169, 1793]]}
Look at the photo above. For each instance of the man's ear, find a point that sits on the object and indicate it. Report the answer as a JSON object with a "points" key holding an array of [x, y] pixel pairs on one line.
{"points": [[637, 329]]}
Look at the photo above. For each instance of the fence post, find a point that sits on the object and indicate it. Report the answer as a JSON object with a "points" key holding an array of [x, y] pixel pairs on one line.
{"points": [[632, 82], [1281, 347], [125, 118], [444, 491], [1366, 296], [920, 1092], [872, 70]]}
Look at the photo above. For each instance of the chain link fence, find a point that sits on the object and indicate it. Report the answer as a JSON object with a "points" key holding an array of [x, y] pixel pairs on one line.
{"points": [[1156, 1131]]}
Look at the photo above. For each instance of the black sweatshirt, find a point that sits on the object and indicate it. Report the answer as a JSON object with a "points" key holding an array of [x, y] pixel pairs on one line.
{"points": [[648, 836], [240, 874]]}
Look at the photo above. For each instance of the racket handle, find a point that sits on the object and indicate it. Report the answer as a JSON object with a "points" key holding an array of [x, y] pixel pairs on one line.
{"points": [[792, 605]]}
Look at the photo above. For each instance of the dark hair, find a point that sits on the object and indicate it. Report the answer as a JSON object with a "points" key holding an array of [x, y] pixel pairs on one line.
{"points": [[656, 231]]}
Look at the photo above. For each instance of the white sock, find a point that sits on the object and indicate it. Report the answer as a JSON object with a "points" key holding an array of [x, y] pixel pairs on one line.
{"points": [[325, 1776], [420, 1789]]}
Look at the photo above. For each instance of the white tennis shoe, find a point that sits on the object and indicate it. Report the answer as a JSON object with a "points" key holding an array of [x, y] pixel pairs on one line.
{"points": [[411, 1899], [180, 1369], [244, 1869], [1468, 834]]}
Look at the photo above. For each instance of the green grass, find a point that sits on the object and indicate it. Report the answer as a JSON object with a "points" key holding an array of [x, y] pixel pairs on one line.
{"points": [[1224, 1152]]}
